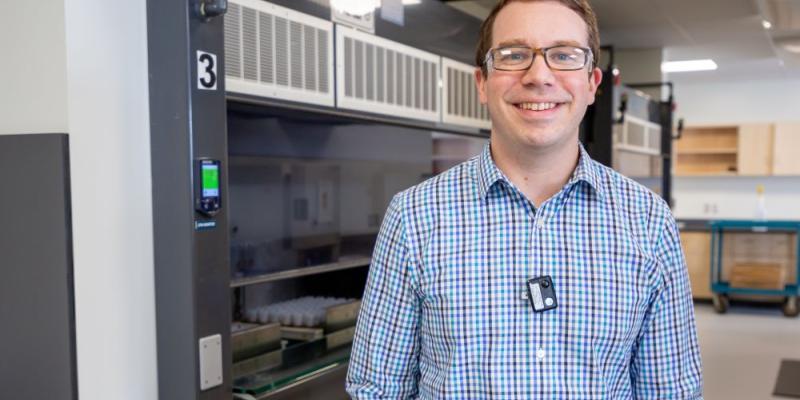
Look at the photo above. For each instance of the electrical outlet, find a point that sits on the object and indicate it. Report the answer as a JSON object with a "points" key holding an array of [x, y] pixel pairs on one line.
{"points": [[710, 208]]}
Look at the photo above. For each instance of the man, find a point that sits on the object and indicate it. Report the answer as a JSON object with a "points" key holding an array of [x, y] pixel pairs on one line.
{"points": [[445, 313]]}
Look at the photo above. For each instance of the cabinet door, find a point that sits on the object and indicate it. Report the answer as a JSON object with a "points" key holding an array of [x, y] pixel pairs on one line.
{"points": [[787, 143], [697, 250], [755, 149]]}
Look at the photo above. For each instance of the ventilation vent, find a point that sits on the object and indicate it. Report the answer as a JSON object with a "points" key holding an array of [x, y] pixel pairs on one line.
{"points": [[272, 51], [460, 102], [380, 76]]}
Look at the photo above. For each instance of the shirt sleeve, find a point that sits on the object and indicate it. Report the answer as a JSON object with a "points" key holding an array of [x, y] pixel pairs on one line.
{"points": [[666, 358], [384, 359]]}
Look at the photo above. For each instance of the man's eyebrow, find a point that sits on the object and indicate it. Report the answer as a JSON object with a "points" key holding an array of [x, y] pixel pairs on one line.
{"points": [[568, 43], [520, 42], [512, 42]]}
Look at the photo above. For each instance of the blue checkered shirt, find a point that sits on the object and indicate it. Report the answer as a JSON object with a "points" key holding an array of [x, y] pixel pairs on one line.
{"points": [[443, 316]]}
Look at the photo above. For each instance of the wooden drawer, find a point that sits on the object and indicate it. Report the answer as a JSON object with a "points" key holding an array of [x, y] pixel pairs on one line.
{"points": [[771, 248], [771, 276]]}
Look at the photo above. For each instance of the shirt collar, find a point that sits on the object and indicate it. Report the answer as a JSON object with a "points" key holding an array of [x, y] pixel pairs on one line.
{"points": [[488, 174], [587, 171]]}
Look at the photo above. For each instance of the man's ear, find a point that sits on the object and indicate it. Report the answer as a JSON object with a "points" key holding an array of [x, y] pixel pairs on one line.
{"points": [[595, 77], [480, 83]]}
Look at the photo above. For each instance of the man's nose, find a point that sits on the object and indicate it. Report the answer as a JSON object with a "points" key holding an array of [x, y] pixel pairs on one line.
{"points": [[538, 73]]}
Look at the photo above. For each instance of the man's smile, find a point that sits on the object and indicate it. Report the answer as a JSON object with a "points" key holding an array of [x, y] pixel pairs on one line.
{"points": [[537, 106]]}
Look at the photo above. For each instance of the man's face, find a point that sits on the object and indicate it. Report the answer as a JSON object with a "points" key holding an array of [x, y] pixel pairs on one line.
{"points": [[521, 102]]}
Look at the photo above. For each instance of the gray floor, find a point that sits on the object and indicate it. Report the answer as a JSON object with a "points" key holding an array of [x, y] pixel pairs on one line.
{"points": [[742, 350]]}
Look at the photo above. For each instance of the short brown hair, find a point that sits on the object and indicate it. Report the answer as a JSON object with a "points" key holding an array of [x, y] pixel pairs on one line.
{"points": [[581, 7]]}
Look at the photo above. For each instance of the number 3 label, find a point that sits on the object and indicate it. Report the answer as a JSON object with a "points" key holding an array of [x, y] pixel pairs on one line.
{"points": [[206, 71]]}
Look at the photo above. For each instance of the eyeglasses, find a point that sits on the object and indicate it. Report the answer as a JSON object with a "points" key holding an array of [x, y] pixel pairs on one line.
{"points": [[518, 58]]}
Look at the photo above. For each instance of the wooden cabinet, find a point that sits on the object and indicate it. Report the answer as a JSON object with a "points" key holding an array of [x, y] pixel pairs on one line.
{"points": [[755, 149], [738, 150], [785, 148], [697, 250], [708, 150]]}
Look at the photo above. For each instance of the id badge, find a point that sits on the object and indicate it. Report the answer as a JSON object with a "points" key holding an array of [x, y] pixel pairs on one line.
{"points": [[542, 294]]}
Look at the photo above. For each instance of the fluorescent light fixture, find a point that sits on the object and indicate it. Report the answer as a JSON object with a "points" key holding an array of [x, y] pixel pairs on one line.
{"points": [[790, 44], [363, 7], [766, 24], [355, 7], [688, 65], [793, 48]]}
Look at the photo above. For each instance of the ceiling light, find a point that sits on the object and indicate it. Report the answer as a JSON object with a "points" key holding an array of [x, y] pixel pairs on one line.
{"points": [[688, 65], [766, 24], [363, 7], [355, 7], [790, 44], [794, 48]]}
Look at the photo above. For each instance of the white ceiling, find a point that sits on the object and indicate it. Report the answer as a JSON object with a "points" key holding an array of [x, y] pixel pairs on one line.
{"points": [[728, 31]]}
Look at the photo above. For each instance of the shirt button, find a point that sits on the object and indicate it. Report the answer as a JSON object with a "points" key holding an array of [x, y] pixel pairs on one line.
{"points": [[540, 354], [540, 223]]}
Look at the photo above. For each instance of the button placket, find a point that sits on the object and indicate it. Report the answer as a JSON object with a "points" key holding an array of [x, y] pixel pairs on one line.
{"points": [[540, 218], [540, 354]]}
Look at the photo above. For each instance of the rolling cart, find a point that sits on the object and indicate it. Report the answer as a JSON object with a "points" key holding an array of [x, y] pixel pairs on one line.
{"points": [[721, 290]]}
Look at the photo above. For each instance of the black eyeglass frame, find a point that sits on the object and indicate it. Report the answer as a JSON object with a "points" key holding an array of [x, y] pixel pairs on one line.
{"points": [[488, 61]]}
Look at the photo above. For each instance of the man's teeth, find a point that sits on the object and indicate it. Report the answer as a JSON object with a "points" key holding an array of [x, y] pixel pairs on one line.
{"points": [[537, 106]]}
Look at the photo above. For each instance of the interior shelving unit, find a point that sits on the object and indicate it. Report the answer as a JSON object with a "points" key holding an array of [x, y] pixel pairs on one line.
{"points": [[313, 163]]}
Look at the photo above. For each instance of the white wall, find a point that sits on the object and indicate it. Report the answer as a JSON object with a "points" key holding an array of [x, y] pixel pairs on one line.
{"points": [[33, 92], [735, 197], [731, 103], [743, 101], [106, 44]]}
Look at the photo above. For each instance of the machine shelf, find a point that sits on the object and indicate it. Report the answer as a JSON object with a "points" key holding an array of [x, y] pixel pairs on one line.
{"points": [[345, 263], [327, 373], [269, 383]]}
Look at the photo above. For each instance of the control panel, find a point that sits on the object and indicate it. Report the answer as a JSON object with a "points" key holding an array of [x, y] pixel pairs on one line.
{"points": [[207, 196]]}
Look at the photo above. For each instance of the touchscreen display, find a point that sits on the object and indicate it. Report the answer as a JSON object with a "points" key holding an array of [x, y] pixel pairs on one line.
{"points": [[210, 180]]}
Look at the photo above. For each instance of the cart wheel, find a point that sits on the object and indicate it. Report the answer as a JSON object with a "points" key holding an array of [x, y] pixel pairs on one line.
{"points": [[790, 308], [720, 302]]}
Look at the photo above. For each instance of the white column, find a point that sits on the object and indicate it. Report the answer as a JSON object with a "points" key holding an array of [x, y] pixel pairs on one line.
{"points": [[106, 43]]}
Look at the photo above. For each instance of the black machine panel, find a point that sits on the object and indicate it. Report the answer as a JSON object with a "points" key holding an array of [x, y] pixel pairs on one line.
{"points": [[37, 344]]}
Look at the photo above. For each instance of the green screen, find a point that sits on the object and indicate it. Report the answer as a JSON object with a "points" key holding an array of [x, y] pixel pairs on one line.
{"points": [[210, 180]]}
